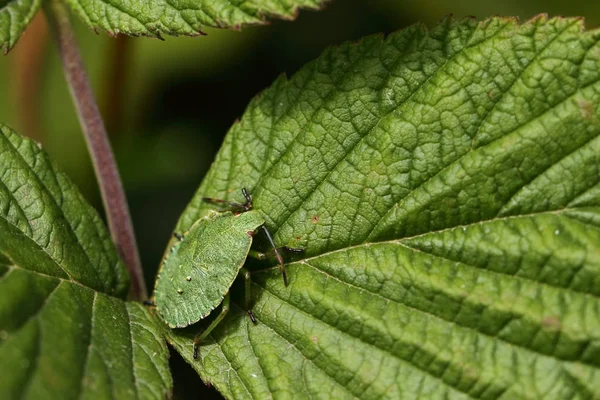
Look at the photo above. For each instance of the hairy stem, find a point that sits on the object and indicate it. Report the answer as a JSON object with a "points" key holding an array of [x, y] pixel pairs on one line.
{"points": [[113, 196]]}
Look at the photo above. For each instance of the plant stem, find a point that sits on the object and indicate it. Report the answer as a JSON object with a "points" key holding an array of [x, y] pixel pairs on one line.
{"points": [[113, 196]]}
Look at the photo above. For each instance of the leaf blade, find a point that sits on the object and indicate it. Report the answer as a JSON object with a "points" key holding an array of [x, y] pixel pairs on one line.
{"points": [[181, 17], [445, 187], [45, 207], [64, 325], [15, 15]]}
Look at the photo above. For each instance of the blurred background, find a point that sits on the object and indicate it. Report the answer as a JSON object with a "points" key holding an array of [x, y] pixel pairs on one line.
{"points": [[167, 105]]}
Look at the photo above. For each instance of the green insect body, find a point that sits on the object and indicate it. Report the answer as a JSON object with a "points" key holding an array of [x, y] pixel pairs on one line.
{"points": [[198, 272]]}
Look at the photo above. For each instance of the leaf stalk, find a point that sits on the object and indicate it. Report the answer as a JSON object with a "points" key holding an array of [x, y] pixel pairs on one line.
{"points": [[113, 196]]}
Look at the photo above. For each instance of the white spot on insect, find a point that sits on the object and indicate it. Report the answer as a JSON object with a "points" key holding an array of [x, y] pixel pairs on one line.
{"points": [[188, 278], [254, 376], [179, 291], [557, 232]]}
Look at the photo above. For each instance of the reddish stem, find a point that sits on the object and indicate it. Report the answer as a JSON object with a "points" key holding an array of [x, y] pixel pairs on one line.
{"points": [[113, 196]]}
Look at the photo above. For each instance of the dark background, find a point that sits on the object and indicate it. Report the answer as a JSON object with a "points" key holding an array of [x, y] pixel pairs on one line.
{"points": [[167, 105]]}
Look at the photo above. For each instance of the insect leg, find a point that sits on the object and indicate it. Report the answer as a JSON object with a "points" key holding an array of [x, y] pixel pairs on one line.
{"points": [[247, 296], [277, 254], [202, 335], [248, 197]]}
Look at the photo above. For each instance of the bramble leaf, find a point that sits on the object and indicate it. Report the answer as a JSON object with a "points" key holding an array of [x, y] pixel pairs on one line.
{"points": [[65, 330], [181, 17], [15, 15], [445, 185]]}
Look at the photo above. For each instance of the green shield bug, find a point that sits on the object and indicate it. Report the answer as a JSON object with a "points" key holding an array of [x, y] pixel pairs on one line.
{"points": [[196, 275]]}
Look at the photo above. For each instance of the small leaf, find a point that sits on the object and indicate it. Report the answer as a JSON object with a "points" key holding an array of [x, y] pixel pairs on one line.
{"points": [[65, 331], [445, 185], [181, 17], [15, 15]]}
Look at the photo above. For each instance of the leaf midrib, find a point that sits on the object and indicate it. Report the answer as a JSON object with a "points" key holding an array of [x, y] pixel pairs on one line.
{"points": [[400, 241]]}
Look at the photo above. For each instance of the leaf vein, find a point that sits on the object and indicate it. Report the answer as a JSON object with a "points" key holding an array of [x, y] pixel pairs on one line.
{"points": [[444, 169], [374, 345], [84, 366], [452, 321], [370, 131], [70, 232], [519, 76]]}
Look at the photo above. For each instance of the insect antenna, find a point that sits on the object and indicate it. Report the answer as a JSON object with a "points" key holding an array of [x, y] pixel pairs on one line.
{"points": [[232, 205]]}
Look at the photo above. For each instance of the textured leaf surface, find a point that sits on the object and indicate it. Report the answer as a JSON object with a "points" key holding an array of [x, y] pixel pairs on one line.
{"points": [[181, 17], [65, 331], [14, 18], [200, 269], [446, 187]]}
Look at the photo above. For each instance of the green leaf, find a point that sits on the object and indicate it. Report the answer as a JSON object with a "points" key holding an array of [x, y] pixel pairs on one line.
{"points": [[65, 331], [181, 17], [15, 15], [446, 187]]}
